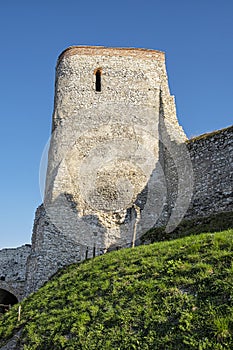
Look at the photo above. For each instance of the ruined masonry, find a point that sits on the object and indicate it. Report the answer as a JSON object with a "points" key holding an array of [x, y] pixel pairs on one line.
{"points": [[119, 164]]}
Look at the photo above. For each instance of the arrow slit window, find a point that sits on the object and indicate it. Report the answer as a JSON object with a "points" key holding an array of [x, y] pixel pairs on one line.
{"points": [[98, 80]]}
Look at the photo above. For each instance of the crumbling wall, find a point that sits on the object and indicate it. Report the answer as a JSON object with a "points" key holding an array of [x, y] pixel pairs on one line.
{"points": [[13, 269], [51, 250]]}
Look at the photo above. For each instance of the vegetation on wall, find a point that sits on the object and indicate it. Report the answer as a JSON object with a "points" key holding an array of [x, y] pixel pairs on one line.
{"points": [[212, 223], [210, 134], [168, 295]]}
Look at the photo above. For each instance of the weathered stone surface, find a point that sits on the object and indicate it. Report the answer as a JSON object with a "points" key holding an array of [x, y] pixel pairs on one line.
{"points": [[211, 157], [119, 164], [104, 156], [212, 160], [50, 251], [13, 269], [13, 343]]}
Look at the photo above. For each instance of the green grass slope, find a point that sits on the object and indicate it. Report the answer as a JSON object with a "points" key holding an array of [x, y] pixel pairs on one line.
{"points": [[167, 295]]}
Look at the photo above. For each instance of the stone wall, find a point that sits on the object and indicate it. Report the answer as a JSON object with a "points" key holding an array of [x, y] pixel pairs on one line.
{"points": [[208, 164], [212, 161], [104, 150], [13, 269], [50, 251], [119, 164]]}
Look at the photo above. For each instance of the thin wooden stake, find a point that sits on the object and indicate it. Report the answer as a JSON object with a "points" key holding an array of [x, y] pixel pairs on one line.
{"points": [[19, 313], [137, 219]]}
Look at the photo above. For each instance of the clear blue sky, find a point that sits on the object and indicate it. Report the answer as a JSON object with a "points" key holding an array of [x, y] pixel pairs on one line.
{"points": [[196, 35]]}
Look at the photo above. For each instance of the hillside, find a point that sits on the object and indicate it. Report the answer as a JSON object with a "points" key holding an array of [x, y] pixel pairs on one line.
{"points": [[168, 295]]}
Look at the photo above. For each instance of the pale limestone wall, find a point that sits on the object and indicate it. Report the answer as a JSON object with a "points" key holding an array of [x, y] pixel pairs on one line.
{"points": [[105, 146], [13, 269], [105, 185]]}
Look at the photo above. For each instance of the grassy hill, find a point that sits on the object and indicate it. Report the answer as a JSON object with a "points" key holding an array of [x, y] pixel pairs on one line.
{"points": [[168, 295]]}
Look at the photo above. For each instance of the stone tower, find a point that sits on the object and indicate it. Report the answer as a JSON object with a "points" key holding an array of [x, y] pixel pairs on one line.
{"points": [[113, 120]]}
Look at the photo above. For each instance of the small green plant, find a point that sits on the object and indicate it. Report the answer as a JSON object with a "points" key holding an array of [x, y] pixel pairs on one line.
{"points": [[222, 328]]}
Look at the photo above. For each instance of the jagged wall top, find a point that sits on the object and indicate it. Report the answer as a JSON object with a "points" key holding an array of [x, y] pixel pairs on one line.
{"points": [[112, 51]]}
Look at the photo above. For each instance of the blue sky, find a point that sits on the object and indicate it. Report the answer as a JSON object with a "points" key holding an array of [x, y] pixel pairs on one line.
{"points": [[196, 35]]}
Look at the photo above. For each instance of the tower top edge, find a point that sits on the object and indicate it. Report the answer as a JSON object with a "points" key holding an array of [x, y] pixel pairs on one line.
{"points": [[112, 51]]}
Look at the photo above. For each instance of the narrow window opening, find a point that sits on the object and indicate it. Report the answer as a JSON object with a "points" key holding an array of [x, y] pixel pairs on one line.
{"points": [[98, 80]]}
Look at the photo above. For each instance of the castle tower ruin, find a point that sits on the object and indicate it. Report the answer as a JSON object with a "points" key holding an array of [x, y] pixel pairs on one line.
{"points": [[113, 119]]}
